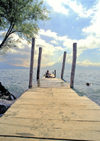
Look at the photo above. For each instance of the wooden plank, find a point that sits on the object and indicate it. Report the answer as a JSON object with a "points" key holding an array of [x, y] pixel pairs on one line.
{"points": [[20, 139], [27, 139], [53, 113]]}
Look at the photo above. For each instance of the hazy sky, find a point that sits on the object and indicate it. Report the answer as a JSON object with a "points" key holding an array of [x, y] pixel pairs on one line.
{"points": [[71, 21]]}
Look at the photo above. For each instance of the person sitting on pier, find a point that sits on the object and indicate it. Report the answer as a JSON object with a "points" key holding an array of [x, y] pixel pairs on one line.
{"points": [[47, 75]]}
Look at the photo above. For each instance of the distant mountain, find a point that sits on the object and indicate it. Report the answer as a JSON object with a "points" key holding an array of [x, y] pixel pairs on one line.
{"points": [[8, 66], [58, 66]]}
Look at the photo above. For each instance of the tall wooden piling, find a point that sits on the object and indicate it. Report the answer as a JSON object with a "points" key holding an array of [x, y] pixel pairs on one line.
{"points": [[55, 73], [39, 63], [73, 65], [63, 65], [31, 63]]}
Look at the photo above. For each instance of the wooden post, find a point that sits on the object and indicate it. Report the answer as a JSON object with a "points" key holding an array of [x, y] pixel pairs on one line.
{"points": [[73, 65], [55, 73], [38, 83], [31, 63], [39, 63], [63, 65]]}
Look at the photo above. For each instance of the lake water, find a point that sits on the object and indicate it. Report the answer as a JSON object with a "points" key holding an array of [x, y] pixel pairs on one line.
{"points": [[16, 81]]}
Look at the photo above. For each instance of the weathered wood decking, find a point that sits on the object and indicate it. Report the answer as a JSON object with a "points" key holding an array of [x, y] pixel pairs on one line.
{"points": [[52, 111]]}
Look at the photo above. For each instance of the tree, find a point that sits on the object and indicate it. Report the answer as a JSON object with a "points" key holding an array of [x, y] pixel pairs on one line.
{"points": [[21, 16]]}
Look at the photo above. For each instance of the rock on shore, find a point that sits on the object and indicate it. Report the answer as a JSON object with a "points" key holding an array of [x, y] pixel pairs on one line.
{"points": [[5, 94], [2, 109], [6, 99]]}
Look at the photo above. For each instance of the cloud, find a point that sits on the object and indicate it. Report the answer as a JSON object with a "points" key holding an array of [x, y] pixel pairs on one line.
{"points": [[16, 51], [64, 6], [94, 28], [12, 51], [20, 55], [50, 53], [57, 6], [66, 42], [14, 42], [18, 41], [90, 42], [87, 63], [48, 33], [79, 9], [53, 42], [55, 36]]}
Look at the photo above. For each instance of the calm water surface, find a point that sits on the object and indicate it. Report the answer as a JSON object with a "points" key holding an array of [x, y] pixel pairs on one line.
{"points": [[16, 80]]}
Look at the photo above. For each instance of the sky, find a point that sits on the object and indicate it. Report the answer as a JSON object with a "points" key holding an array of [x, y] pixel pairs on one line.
{"points": [[70, 21]]}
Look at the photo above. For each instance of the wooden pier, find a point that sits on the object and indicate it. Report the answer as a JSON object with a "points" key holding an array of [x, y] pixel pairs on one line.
{"points": [[52, 111]]}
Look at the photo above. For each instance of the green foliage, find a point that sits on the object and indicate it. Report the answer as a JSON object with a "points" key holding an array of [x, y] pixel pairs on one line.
{"points": [[21, 16]]}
